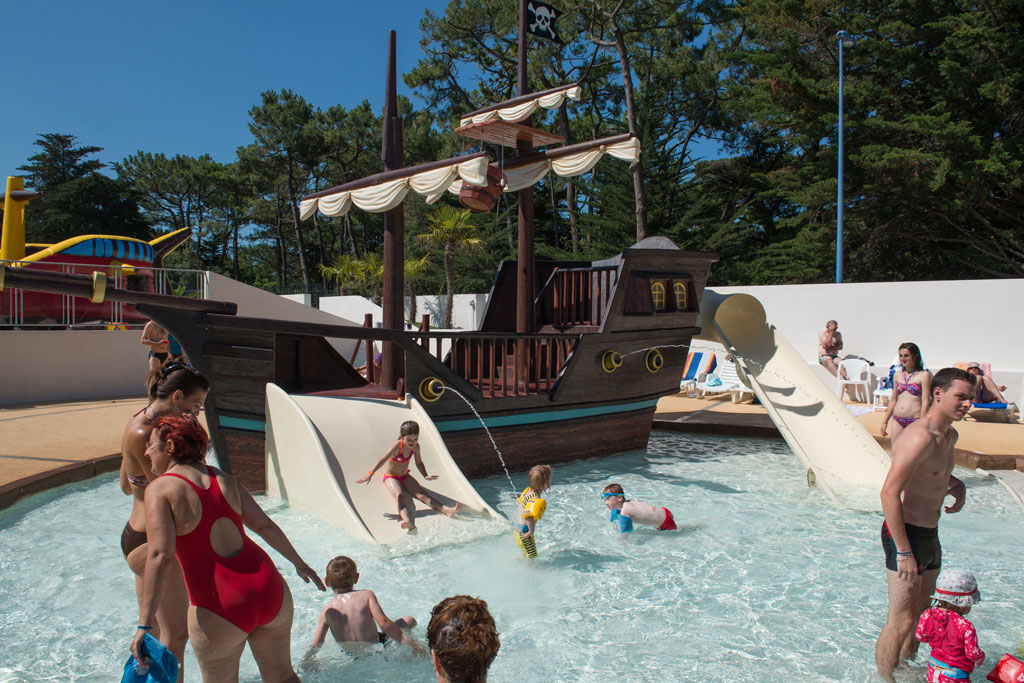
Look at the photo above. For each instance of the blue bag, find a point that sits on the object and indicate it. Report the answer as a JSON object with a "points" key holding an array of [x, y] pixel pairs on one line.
{"points": [[163, 665]]}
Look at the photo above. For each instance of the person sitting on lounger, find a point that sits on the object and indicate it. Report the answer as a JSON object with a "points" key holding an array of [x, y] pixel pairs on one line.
{"points": [[985, 389]]}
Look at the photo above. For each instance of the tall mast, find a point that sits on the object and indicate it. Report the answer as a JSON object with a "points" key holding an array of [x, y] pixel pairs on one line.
{"points": [[392, 365], [525, 322]]}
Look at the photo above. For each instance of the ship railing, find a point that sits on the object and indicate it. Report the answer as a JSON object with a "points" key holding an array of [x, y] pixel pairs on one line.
{"points": [[502, 365], [39, 310], [577, 296]]}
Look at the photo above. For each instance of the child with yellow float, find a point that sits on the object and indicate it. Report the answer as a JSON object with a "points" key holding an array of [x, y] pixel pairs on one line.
{"points": [[531, 509]]}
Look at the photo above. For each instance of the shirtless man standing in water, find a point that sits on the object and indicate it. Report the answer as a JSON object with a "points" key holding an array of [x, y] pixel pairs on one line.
{"points": [[920, 477]]}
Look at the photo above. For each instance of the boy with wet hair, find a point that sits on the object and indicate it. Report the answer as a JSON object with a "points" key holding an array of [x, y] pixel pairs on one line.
{"points": [[919, 479], [627, 512], [353, 616]]}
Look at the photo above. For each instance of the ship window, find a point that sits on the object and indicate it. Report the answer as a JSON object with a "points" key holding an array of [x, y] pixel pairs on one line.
{"points": [[681, 295], [658, 296]]}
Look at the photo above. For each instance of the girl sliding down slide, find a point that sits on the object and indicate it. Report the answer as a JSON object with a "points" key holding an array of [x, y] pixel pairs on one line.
{"points": [[398, 480]]}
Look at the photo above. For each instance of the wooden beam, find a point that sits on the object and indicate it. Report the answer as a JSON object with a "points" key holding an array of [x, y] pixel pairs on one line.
{"points": [[81, 286]]}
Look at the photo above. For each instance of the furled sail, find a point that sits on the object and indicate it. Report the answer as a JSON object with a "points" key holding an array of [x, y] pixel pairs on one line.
{"points": [[378, 197], [518, 110], [518, 177]]}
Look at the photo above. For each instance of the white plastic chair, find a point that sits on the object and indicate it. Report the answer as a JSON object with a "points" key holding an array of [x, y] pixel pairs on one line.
{"points": [[858, 375], [882, 393]]}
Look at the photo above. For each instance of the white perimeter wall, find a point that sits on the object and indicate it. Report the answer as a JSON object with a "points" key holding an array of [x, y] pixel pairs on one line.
{"points": [[467, 309], [951, 321], [42, 366]]}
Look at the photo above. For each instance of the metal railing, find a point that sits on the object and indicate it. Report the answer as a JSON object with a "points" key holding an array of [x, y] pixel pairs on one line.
{"points": [[23, 309]]}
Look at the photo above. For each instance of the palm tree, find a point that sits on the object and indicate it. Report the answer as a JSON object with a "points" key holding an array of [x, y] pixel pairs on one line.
{"points": [[414, 271], [345, 271], [450, 228], [373, 274]]}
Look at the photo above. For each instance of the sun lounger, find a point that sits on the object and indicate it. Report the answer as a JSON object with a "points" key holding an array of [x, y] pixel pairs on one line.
{"points": [[698, 363], [725, 380], [1007, 409]]}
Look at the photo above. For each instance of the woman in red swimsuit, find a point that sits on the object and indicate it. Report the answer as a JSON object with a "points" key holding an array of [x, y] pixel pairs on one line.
{"points": [[195, 513], [911, 391], [397, 478], [173, 390]]}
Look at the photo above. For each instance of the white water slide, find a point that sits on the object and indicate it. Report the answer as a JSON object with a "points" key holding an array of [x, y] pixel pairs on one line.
{"points": [[318, 446], [841, 457]]}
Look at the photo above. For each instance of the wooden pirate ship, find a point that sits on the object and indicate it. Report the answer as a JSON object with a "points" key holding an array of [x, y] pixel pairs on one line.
{"points": [[571, 356]]}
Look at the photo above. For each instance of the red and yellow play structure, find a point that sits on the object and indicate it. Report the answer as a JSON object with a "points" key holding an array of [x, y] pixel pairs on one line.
{"points": [[126, 262]]}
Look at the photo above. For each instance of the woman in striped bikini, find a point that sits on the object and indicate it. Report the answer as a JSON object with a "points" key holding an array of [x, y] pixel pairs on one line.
{"points": [[911, 391]]}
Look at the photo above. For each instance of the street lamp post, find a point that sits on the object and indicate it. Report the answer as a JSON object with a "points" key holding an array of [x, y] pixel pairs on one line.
{"points": [[845, 40]]}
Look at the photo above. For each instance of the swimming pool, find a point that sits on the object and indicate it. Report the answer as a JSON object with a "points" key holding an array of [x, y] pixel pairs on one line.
{"points": [[765, 581]]}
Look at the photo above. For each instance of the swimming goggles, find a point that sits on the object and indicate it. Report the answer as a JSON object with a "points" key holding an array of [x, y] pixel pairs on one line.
{"points": [[608, 494]]}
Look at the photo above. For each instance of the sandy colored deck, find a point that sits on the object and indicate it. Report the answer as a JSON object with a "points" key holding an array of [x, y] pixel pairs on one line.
{"points": [[46, 445], [990, 444]]}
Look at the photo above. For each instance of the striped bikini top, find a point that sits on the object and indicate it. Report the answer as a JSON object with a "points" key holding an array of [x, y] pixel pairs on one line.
{"points": [[906, 385]]}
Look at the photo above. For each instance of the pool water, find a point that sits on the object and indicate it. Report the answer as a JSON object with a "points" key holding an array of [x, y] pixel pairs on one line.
{"points": [[765, 580]]}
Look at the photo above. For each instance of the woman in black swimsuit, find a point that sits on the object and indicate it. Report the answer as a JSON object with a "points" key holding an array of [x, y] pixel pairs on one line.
{"points": [[173, 390]]}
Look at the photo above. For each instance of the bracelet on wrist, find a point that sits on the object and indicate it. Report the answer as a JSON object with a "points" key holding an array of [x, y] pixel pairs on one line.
{"points": [[372, 472], [142, 627], [905, 553]]}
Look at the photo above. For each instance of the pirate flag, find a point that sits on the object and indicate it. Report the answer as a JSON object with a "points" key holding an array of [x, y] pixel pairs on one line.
{"points": [[540, 19]]}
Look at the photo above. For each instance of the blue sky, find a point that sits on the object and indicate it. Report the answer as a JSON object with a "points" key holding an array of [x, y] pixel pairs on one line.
{"points": [[180, 77]]}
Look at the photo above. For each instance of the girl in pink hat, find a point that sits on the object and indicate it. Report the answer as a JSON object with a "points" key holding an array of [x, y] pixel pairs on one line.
{"points": [[954, 643]]}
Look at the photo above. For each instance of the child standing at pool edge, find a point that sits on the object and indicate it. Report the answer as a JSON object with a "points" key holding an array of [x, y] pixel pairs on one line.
{"points": [[531, 508], [626, 512], [954, 643], [398, 480]]}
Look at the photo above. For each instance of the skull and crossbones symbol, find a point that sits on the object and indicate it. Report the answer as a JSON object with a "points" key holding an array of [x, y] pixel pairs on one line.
{"points": [[542, 18]]}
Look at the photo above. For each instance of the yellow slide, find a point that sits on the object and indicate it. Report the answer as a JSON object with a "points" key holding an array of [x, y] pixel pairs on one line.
{"points": [[841, 458], [318, 446]]}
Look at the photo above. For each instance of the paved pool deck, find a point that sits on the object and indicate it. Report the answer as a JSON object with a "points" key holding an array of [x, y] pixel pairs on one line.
{"points": [[986, 440], [46, 445]]}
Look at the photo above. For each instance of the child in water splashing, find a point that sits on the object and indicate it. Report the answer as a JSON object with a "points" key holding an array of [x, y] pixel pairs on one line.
{"points": [[945, 627], [398, 480], [625, 512]]}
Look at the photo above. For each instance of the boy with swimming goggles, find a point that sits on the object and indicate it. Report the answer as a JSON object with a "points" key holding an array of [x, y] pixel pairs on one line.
{"points": [[627, 512], [531, 508]]}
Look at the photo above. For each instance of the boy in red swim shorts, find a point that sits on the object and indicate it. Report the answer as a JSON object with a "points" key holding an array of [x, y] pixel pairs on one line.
{"points": [[627, 512]]}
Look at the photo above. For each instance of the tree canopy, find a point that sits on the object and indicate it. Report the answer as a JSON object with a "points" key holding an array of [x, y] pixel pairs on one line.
{"points": [[933, 132]]}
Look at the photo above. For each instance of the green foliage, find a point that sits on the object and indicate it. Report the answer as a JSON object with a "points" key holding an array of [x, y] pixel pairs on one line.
{"points": [[934, 178], [75, 198], [59, 161]]}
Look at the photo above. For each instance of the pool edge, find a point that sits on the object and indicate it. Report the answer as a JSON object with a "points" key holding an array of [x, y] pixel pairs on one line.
{"points": [[66, 474]]}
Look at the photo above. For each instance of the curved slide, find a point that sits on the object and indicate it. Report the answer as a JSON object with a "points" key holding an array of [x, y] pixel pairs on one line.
{"points": [[841, 458], [318, 446]]}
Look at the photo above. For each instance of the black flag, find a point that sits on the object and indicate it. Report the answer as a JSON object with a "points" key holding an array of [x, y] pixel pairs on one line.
{"points": [[540, 20]]}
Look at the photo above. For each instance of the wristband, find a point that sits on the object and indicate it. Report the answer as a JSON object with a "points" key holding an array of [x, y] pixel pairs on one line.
{"points": [[144, 628], [905, 553], [371, 472]]}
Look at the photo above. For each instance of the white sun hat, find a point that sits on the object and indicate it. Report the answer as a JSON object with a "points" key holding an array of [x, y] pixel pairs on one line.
{"points": [[957, 587]]}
